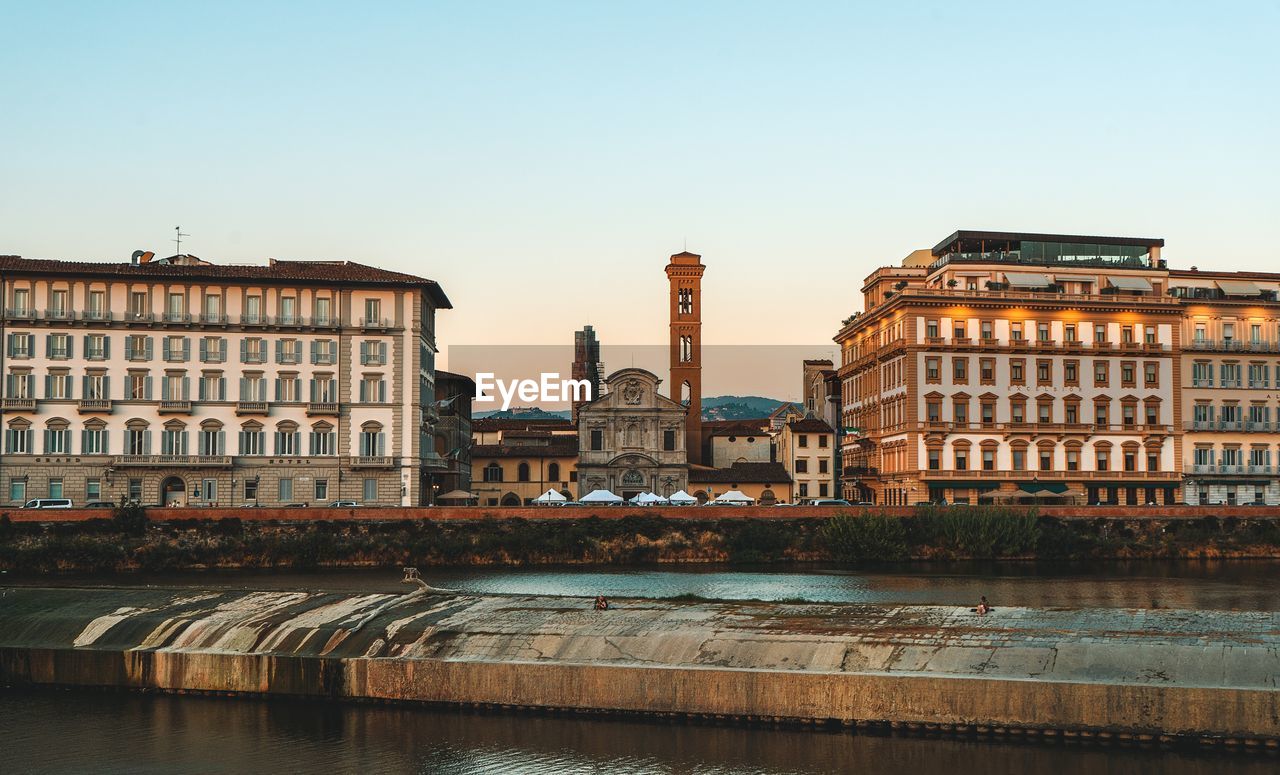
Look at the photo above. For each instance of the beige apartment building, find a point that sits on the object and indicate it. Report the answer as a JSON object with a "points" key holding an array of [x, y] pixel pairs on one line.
{"points": [[179, 381], [1015, 367]]}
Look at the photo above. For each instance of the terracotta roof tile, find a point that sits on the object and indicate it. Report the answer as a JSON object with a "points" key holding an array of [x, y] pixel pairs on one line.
{"points": [[755, 473]]}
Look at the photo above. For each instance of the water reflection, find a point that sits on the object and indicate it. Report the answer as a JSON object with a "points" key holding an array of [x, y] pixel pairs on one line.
{"points": [[110, 733], [1213, 586]]}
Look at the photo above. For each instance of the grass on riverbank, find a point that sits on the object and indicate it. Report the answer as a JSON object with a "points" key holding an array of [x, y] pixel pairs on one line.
{"points": [[952, 533]]}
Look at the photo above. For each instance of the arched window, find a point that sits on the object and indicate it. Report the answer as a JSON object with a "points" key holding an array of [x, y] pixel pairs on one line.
{"points": [[493, 472], [553, 471], [137, 438], [371, 440], [522, 471], [18, 438]]}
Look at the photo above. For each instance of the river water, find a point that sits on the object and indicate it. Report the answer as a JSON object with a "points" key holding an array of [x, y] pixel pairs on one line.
{"points": [[1239, 585], [74, 732], [109, 732]]}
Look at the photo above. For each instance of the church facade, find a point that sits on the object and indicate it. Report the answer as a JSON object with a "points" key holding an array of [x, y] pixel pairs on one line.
{"points": [[632, 439]]}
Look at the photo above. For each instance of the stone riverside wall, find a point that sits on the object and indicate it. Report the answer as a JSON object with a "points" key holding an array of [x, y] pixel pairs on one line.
{"points": [[457, 513], [1131, 674]]}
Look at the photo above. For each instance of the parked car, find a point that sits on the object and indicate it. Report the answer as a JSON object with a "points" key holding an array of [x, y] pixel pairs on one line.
{"points": [[344, 505], [99, 505], [48, 503], [831, 502], [296, 505]]}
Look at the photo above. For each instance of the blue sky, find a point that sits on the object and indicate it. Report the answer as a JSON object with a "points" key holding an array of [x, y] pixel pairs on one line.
{"points": [[542, 159]]}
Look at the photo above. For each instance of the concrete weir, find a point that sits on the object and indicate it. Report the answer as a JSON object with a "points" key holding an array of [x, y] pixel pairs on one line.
{"points": [[1110, 674]]}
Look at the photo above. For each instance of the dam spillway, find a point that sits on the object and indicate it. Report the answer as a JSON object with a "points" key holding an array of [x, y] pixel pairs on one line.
{"points": [[1131, 673]]}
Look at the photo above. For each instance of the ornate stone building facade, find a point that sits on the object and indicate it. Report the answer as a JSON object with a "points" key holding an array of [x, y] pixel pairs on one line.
{"points": [[632, 439], [178, 381]]}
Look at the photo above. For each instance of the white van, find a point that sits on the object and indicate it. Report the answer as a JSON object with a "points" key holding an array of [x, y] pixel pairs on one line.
{"points": [[48, 503]]}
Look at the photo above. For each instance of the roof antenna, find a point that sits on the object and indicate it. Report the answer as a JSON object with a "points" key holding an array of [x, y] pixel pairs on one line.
{"points": [[178, 239]]}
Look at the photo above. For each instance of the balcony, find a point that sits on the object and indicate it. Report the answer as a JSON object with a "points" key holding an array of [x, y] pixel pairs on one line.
{"points": [[1232, 346], [253, 320], [433, 460], [372, 461], [375, 324], [1230, 469], [325, 322], [94, 406], [1236, 426], [1007, 475], [287, 321], [194, 461], [96, 316], [318, 408], [138, 316], [177, 407], [17, 404], [177, 317], [214, 319], [251, 407], [20, 314], [56, 315]]}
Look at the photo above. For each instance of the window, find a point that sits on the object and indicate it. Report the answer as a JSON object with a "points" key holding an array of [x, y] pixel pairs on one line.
{"points": [[139, 305], [935, 460], [287, 388], [173, 441], [1071, 372], [804, 489], [988, 460], [93, 441], [253, 309], [1101, 415], [1202, 374], [597, 439], [253, 387], [373, 389], [139, 386], [1069, 332], [1073, 460], [988, 409], [370, 490], [21, 301], [960, 370], [290, 351], [987, 370], [522, 472], [210, 442], [373, 353], [324, 390], [251, 441], [97, 387], [174, 387], [668, 442], [933, 410], [1016, 373], [802, 440], [1153, 414], [96, 347], [802, 465], [288, 310], [57, 386], [822, 441], [553, 471], [57, 441], [322, 314], [18, 490], [324, 352], [1100, 333], [208, 490], [59, 346], [1128, 414], [1100, 373], [286, 489], [1103, 460], [213, 349], [1042, 332], [212, 308], [493, 473], [322, 441], [1019, 460], [1017, 411], [213, 386], [960, 408], [93, 489], [371, 443], [1128, 374], [1130, 461], [1044, 411], [685, 300], [137, 441], [287, 441], [987, 332], [20, 346], [962, 459], [1151, 374], [932, 370], [251, 489], [823, 465], [135, 490], [931, 329], [137, 347], [1044, 372], [372, 310], [1015, 331], [322, 490], [253, 350], [686, 349]]}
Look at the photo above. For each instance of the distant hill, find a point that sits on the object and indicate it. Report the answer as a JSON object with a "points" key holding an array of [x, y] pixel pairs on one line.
{"points": [[525, 413], [738, 407], [713, 408]]}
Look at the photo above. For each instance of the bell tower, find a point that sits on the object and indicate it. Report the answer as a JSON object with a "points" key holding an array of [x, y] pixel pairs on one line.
{"points": [[685, 275]]}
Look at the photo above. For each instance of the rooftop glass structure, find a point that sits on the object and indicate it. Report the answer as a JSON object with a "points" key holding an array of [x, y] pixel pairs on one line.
{"points": [[1045, 249]]}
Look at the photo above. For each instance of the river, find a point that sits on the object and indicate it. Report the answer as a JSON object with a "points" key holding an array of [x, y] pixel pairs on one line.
{"points": [[72, 732], [1237, 585], [56, 731]]}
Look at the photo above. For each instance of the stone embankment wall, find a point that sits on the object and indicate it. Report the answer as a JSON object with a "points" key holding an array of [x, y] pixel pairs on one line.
{"points": [[709, 513], [1131, 674]]}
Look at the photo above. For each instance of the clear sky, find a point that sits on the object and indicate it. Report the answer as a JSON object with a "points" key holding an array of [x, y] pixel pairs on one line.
{"points": [[542, 159]]}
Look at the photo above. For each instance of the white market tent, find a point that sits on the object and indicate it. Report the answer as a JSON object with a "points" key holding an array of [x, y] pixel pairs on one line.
{"points": [[682, 498], [550, 496], [648, 499], [457, 495], [735, 496], [600, 496]]}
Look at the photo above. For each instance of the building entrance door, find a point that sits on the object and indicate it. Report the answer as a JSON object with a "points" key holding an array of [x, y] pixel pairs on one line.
{"points": [[173, 491]]}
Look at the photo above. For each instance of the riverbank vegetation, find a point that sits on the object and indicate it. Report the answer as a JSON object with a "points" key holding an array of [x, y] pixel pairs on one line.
{"points": [[127, 542]]}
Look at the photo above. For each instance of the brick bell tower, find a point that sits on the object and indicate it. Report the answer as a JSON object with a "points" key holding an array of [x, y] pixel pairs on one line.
{"points": [[685, 275]]}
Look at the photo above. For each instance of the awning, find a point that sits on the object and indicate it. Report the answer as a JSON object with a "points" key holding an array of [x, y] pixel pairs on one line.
{"points": [[1055, 488], [1131, 283], [1028, 280], [982, 484], [1239, 288]]}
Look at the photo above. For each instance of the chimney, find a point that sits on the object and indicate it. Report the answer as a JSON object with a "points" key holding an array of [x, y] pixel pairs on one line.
{"points": [[142, 256]]}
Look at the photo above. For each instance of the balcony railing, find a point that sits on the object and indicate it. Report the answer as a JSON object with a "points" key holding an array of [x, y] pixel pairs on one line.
{"points": [[375, 323], [253, 320], [251, 407], [1247, 426], [56, 314], [433, 460], [177, 317], [96, 316], [1233, 346], [1231, 469], [88, 405], [18, 404], [1024, 295], [946, 426], [206, 461], [1005, 474], [214, 319], [20, 314], [372, 461], [322, 408], [138, 316], [175, 407]]}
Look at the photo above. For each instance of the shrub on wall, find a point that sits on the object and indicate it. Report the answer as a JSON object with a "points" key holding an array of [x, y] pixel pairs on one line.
{"points": [[866, 538]]}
